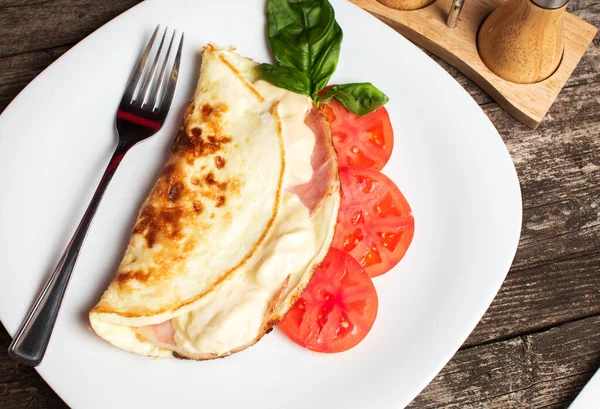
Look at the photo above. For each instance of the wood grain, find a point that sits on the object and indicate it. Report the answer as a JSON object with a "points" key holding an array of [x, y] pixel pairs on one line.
{"points": [[17, 71], [537, 344], [28, 26], [555, 274], [521, 42], [540, 370], [406, 4], [458, 46]]}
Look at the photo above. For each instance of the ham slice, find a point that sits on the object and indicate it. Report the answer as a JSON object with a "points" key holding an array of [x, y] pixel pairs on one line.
{"points": [[323, 163], [161, 335]]}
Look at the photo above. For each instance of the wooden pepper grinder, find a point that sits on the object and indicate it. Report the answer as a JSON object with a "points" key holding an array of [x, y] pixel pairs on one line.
{"points": [[522, 41]]}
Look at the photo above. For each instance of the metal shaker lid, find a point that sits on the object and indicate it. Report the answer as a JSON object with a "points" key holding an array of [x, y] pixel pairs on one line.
{"points": [[550, 4]]}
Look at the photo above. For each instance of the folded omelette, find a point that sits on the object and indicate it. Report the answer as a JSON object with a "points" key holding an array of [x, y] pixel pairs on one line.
{"points": [[242, 214]]}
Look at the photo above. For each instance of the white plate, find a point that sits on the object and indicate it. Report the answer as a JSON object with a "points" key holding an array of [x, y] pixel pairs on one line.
{"points": [[590, 395], [57, 136]]}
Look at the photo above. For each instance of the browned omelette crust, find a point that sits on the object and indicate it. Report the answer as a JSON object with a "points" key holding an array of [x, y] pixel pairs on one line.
{"points": [[318, 123], [178, 197]]}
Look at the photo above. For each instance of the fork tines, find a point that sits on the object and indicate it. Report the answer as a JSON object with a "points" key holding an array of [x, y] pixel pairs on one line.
{"points": [[152, 82]]}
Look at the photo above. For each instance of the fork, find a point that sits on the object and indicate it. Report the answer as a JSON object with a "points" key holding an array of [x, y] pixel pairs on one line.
{"points": [[141, 113]]}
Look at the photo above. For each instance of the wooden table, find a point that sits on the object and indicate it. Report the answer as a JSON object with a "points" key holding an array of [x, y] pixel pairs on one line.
{"points": [[539, 342]]}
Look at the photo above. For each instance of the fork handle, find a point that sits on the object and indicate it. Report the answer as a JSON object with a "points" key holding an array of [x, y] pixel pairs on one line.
{"points": [[31, 340]]}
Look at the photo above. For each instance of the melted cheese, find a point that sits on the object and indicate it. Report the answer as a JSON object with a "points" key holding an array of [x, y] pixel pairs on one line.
{"points": [[298, 139], [232, 315]]}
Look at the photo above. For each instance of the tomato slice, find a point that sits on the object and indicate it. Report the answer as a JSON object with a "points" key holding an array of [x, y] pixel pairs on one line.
{"points": [[375, 223], [337, 309], [364, 141]]}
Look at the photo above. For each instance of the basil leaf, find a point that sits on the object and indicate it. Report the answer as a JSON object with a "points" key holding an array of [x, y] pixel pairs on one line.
{"points": [[286, 77], [326, 60], [360, 98], [304, 35]]}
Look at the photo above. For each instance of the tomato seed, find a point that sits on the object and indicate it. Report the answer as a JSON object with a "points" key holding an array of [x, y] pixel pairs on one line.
{"points": [[372, 257], [352, 240], [390, 240], [376, 139], [357, 218]]}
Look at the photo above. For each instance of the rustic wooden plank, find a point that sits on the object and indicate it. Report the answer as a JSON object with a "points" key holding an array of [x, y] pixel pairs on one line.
{"points": [[541, 298], [554, 277], [38, 26], [17, 71], [587, 70], [19, 3], [562, 158], [545, 369]]}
